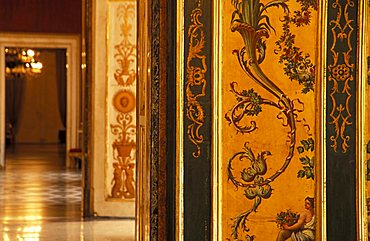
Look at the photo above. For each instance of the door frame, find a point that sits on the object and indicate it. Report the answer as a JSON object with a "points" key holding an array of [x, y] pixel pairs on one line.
{"points": [[47, 41]]}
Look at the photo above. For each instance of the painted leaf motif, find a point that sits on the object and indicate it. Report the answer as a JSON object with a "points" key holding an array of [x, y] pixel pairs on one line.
{"points": [[308, 174], [305, 160], [249, 153], [258, 191], [311, 144], [250, 193], [301, 174], [312, 162], [264, 191], [305, 144], [260, 164]]}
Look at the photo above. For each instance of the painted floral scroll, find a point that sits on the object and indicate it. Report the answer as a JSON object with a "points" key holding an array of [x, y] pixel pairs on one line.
{"points": [[268, 103], [121, 164]]}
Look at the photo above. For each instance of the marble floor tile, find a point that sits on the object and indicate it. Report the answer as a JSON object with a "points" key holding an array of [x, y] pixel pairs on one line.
{"points": [[112, 230], [41, 200]]}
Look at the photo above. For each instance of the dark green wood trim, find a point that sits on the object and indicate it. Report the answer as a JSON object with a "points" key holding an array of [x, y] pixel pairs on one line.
{"points": [[341, 111], [197, 159]]}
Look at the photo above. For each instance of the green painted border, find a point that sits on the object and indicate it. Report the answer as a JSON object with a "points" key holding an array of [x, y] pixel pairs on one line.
{"points": [[341, 161], [197, 170]]}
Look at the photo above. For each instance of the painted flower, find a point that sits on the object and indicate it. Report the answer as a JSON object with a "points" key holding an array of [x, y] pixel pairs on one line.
{"points": [[286, 217], [195, 75], [302, 18], [341, 72]]}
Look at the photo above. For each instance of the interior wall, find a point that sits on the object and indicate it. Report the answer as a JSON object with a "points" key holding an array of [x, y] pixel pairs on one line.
{"points": [[284, 141], [41, 16], [111, 56], [39, 118]]}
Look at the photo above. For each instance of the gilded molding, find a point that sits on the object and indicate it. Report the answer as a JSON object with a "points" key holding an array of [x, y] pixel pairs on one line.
{"points": [[195, 85], [320, 127], [363, 146], [341, 73], [180, 63]]}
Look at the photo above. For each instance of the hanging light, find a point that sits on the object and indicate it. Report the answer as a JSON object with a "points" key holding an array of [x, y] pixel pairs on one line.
{"points": [[22, 61]]}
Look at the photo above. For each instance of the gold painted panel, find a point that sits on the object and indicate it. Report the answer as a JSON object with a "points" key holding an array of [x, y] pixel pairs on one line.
{"points": [[267, 104], [121, 101]]}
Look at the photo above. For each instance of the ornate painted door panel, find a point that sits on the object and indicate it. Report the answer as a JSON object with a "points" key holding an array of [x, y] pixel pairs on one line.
{"points": [[267, 92], [287, 113]]}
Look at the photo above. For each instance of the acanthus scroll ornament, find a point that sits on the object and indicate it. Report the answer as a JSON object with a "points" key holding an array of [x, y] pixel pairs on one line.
{"points": [[251, 21], [125, 54], [196, 68], [341, 74]]}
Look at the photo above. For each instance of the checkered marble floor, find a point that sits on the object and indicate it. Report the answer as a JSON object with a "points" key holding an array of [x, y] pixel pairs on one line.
{"points": [[35, 183], [41, 200], [19, 188]]}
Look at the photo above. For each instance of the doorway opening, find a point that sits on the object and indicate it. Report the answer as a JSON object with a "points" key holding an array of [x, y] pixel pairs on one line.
{"points": [[71, 46], [36, 132], [35, 102]]}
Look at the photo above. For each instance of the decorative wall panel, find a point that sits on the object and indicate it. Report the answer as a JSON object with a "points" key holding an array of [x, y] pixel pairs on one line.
{"points": [[121, 101], [197, 119], [341, 115], [266, 101], [287, 113]]}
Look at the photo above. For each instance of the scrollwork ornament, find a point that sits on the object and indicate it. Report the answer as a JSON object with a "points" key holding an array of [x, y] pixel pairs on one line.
{"points": [[124, 164], [341, 74], [251, 21], [125, 54], [196, 68]]}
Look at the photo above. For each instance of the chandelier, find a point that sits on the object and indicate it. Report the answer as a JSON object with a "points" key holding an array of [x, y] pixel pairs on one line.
{"points": [[22, 61]]}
